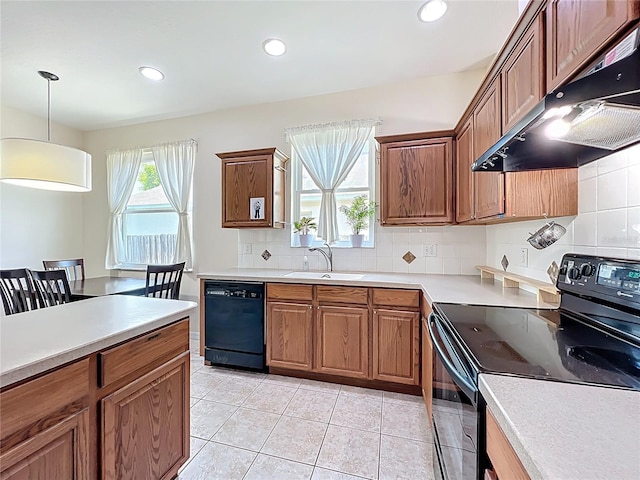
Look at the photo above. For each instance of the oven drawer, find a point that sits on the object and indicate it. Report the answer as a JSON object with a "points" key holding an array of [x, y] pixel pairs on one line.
{"points": [[118, 362]]}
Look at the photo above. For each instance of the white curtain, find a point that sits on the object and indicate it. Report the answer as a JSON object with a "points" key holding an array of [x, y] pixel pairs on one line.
{"points": [[328, 152], [175, 163], [122, 173]]}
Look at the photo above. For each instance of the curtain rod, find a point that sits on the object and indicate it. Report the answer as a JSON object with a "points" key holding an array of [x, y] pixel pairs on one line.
{"points": [[149, 148]]}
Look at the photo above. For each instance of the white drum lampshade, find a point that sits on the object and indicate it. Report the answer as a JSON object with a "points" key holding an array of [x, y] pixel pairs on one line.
{"points": [[44, 165]]}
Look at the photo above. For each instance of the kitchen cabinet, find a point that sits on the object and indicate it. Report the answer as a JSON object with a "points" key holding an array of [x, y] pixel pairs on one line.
{"points": [[504, 459], [396, 336], [145, 424], [290, 326], [537, 193], [523, 77], [416, 179], [45, 427], [489, 186], [578, 30], [342, 343], [253, 188], [465, 190], [427, 360]]}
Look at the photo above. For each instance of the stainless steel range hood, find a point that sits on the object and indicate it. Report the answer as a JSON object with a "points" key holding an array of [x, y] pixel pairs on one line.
{"points": [[589, 118]]}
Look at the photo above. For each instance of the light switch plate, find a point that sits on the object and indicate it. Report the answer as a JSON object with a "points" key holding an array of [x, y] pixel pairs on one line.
{"points": [[247, 248], [523, 259]]}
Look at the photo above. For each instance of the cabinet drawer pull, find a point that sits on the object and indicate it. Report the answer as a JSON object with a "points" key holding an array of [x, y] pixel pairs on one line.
{"points": [[152, 337]]}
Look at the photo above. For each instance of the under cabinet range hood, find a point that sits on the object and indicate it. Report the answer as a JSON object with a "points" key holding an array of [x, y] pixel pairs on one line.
{"points": [[589, 118]]}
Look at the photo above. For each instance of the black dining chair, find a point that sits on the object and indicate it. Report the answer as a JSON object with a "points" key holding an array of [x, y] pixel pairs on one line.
{"points": [[163, 281], [74, 267], [17, 291], [52, 287]]}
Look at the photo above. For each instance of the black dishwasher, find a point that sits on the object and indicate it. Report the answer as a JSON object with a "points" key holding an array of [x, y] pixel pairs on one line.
{"points": [[234, 324]]}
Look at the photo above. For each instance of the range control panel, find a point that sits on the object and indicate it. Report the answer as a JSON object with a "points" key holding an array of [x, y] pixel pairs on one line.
{"points": [[600, 277]]}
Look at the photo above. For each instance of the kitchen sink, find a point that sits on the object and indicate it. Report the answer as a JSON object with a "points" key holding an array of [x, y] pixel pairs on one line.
{"points": [[325, 275]]}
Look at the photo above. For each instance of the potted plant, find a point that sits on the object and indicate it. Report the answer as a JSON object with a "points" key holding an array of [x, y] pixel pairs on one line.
{"points": [[302, 227], [358, 217]]}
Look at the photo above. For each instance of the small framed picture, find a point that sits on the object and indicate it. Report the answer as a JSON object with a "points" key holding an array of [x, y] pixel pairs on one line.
{"points": [[256, 208]]}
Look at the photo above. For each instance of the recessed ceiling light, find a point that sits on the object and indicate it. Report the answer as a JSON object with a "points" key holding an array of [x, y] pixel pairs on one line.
{"points": [[274, 47], [151, 73], [432, 10]]}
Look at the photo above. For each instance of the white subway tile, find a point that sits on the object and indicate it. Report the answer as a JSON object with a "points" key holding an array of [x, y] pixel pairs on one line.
{"points": [[419, 265], [451, 266], [585, 229], [399, 265], [434, 265], [612, 162], [284, 262], [368, 264], [634, 155], [588, 171], [633, 253], [588, 195], [633, 185], [354, 263], [612, 190], [633, 227], [612, 228], [612, 252], [384, 264]]}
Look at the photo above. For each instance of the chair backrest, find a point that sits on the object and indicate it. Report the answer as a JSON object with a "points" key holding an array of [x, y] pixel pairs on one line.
{"points": [[17, 291], [74, 267], [163, 281], [52, 287]]}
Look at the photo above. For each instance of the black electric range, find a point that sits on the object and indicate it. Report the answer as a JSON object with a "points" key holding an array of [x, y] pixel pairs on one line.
{"points": [[592, 338]]}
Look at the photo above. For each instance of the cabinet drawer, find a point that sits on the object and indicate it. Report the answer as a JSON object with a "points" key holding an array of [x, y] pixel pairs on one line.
{"points": [[353, 295], [280, 291], [390, 297], [505, 461], [120, 361], [35, 405]]}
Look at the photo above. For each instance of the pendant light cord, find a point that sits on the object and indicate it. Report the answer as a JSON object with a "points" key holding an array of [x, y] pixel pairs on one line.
{"points": [[48, 110]]}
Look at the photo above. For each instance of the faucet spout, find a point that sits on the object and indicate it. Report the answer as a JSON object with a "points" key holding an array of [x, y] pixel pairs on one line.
{"points": [[328, 257]]}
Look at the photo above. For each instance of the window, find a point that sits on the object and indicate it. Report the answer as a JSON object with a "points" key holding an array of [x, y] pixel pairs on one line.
{"points": [[150, 223], [360, 181]]}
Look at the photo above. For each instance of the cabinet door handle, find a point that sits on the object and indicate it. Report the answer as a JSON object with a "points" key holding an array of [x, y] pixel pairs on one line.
{"points": [[280, 169]]}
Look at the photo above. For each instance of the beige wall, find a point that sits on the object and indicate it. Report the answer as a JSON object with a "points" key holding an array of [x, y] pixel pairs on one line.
{"points": [[418, 105], [38, 224]]}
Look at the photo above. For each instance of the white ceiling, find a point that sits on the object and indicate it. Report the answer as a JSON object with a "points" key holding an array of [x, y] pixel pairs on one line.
{"points": [[211, 54]]}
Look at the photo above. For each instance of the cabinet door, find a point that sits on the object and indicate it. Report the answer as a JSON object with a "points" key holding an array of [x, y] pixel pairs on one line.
{"points": [[523, 76], [60, 452], [578, 29], [489, 186], [396, 346], [416, 182], [464, 176], [145, 425], [343, 341], [537, 193], [427, 369], [243, 179], [289, 335]]}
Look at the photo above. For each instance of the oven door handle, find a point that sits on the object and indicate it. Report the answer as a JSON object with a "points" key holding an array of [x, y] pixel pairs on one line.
{"points": [[464, 383]]}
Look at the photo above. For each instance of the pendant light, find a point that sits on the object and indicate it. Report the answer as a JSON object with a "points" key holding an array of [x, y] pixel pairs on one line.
{"points": [[44, 165]]}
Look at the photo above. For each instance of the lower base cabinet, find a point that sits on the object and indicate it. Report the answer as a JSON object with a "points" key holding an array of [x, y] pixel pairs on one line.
{"points": [[343, 341], [126, 409], [505, 461], [396, 346], [290, 335], [145, 425]]}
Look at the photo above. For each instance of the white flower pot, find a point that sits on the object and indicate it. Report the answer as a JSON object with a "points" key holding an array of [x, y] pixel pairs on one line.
{"points": [[356, 240], [305, 240]]}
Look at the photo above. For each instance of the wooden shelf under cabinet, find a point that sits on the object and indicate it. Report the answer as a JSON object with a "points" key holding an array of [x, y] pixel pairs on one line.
{"points": [[547, 292]]}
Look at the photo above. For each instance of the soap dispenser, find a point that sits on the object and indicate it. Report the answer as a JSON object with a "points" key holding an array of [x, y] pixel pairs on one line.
{"points": [[305, 264]]}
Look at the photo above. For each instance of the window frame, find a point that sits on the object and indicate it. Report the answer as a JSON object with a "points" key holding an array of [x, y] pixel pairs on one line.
{"points": [[297, 191]]}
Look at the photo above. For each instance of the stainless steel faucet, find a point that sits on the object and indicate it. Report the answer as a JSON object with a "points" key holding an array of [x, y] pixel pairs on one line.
{"points": [[327, 256]]}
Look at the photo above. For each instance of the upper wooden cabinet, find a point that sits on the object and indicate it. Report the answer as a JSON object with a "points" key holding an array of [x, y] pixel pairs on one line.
{"points": [[465, 190], [416, 179], [538, 193], [523, 76], [487, 129], [577, 30], [253, 188]]}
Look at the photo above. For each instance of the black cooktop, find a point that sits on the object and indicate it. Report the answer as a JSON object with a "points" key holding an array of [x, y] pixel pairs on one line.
{"points": [[549, 344]]}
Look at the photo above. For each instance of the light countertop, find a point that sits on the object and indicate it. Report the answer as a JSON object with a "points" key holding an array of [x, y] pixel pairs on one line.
{"points": [[36, 341], [469, 289], [564, 431]]}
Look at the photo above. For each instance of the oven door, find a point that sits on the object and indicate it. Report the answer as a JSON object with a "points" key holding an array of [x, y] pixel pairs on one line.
{"points": [[456, 408]]}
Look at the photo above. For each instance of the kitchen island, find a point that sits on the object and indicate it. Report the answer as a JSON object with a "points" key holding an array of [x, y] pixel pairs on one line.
{"points": [[95, 389]]}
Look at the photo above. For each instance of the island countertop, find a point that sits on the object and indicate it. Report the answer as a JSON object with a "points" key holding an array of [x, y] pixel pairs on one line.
{"points": [[36, 341], [567, 431], [470, 289]]}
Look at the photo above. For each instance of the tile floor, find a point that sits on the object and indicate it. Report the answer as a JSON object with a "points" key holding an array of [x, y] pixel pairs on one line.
{"points": [[255, 426]]}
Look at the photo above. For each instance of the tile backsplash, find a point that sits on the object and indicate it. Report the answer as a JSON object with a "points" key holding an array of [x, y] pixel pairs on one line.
{"points": [[458, 250], [608, 220]]}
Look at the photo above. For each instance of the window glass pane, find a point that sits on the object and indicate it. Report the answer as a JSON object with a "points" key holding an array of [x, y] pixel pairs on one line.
{"points": [[344, 228], [148, 190], [307, 183], [359, 174], [151, 223], [150, 237]]}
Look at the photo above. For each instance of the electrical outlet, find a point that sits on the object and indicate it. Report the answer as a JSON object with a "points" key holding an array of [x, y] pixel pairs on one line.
{"points": [[524, 257], [246, 249], [429, 250]]}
